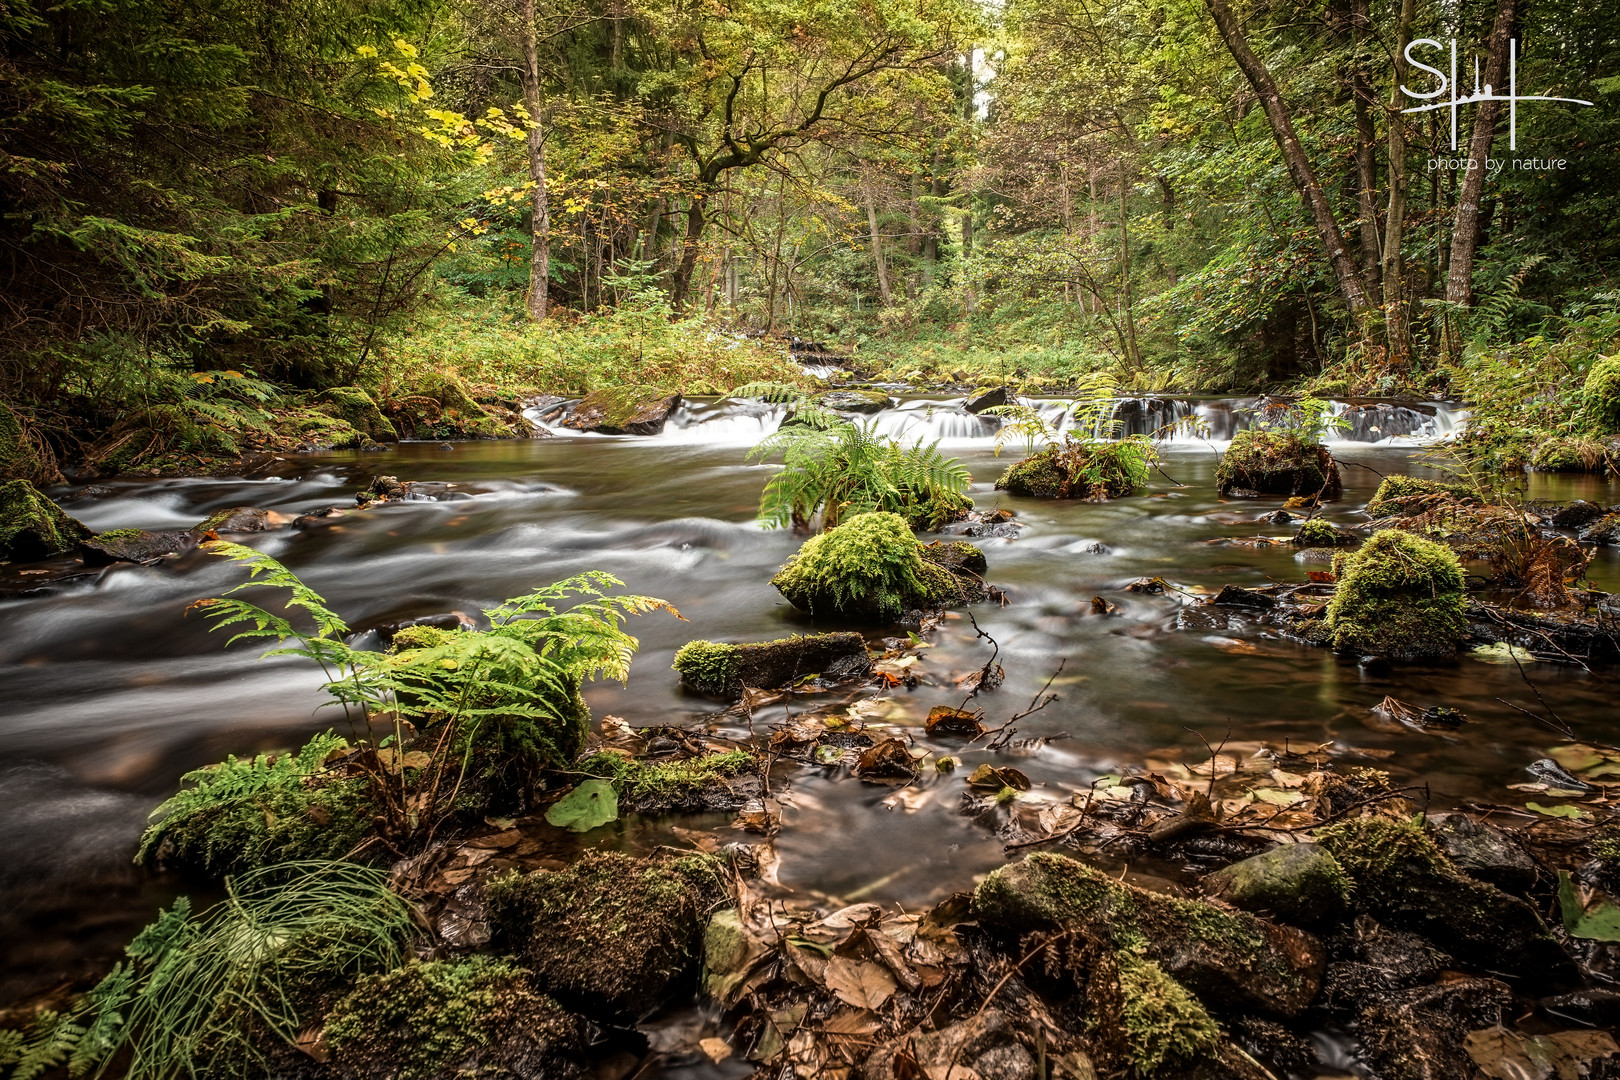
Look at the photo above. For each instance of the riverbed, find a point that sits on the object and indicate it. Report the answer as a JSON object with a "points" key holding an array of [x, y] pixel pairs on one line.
{"points": [[112, 692]]}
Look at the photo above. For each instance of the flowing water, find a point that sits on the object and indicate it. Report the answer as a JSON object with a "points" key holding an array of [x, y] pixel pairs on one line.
{"points": [[111, 691]]}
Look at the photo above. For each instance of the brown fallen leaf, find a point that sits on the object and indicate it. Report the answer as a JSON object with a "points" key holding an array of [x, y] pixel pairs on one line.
{"points": [[945, 720], [860, 983], [890, 758], [717, 1050]]}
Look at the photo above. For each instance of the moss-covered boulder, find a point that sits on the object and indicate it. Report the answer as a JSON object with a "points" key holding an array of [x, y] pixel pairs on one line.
{"points": [[1601, 394], [1229, 957], [1320, 532], [1273, 463], [240, 519], [135, 545], [450, 1019], [318, 431], [854, 401], [1407, 496], [722, 670], [1404, 880], [356, 408], [440, 406], [245, 813], [611, 932], [1080, 471], [22, 457], [33, 527], [1301, 884], [705, 783], [872, 569], [636, 410], [1399, 596], [988, 397]]}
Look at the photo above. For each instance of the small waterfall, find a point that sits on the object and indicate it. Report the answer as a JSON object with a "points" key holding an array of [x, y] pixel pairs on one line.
{"points": [[819, 371]]}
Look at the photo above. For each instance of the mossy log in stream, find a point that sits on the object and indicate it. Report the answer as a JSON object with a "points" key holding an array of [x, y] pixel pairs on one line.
{"points": [[722, 670]]}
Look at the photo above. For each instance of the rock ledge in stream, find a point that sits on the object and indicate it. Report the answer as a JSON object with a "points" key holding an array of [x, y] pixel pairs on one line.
{"points": [[722, 670], [134, 545], [1223, 956], [637, 411], [33, 527]]}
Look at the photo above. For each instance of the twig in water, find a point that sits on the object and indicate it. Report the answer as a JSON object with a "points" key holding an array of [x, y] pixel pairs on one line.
{"points": [[989, 665], [1036, 704], [1214, 753]]}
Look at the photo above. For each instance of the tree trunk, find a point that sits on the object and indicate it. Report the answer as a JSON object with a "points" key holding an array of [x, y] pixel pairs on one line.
{"points": [[540, 222], [1316, 203], [689, 252], [877, 248], [1127, 314], [1465, 228], [1400, 345], [1366, 152]]}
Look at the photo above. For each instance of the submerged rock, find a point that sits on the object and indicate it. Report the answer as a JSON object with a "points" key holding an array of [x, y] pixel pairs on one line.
{"points": [[1270, 463], [723, 670], [445, 1019], [134, 545], [32, 526], [873, 568], [1223, 956], [1301, 884], [1400, 596], [633, 411], [611, 932]]}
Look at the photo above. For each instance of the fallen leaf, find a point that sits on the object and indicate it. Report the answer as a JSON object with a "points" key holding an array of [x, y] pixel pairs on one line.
{"points": [[860, 983], [945, 720], [1512, 1055], [1593, 917], [717, 1050], [1564, 811], [592, 803]]}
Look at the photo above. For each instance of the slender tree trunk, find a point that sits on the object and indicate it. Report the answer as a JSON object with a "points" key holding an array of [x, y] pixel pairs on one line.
{"points": [[1465, 228], [1127, 314], [877, 248], [1316, 202], [1366, 152], [540, 222], [1400, 345], [689, 252]]}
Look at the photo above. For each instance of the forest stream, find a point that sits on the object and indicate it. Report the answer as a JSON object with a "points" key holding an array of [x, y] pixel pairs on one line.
{"points": [[112, 691]]}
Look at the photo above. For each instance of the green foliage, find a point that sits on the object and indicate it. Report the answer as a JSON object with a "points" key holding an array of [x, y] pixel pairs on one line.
{"points": [[833, 470], [243, 814], [199, 996], [707, 666], [870, 567], [445, 1018], [1398, 596], [1083, 469], [641, 780], [23, 455]]}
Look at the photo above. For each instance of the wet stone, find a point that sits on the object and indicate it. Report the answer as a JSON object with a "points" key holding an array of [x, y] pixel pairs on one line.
{"points": [[988, 399], [1300, 884], [1483, 851], [134, 546], [1418, 1034]]}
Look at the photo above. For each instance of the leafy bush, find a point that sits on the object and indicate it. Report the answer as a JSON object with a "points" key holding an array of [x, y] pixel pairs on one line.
{"points": [[833, 470]]}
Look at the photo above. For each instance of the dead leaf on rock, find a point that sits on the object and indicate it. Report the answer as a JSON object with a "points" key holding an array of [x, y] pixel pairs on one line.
{"points": [[860, 983], [717, 1050], [1511, 1055], [946, 720], [889, 759]]}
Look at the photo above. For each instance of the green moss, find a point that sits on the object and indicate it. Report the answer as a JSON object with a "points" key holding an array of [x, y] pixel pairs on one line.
{"points": [[115, 535], [1601, 394], [21, 458], [665, 781], [1399, 596], [245, 813], [1081, 470], [356, 408], [1383, 857], [419, 636], [1573, 454], [1276, 463], [32, 526], [611, 931], [707, 666], [1318, 532], [636, 410], [871, 568], [441, 407], [323, 430], [1404, 496], [1164, 1024], [445, 1019]]}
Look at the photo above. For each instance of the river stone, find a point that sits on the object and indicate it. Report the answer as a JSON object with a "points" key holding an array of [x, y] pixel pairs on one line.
{"points": [[134, 546], [1573, 515], [1300, 884], [240, 519], [32, 526], [1605, 530], [614, 412], [722, 670], [1483, 851], [1229, 957], [1418, 1034], [855, 401], [988, 399], [1236, 596]]}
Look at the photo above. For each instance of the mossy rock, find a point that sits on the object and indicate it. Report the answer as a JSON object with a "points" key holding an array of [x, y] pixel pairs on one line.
{"points": [[1399, 596], [356, 408], [636, 410], [708, 783], [450, 1019], [1605, 531], [1406, 496], [1601, 394], [1166, 1028], [441, 407], [32, 526], [1078, 471], [1301, 884], [722, 670], [854, 401], [21, 457], [135, 546], [1272, 463], [611, 932], [329, 432], [1319, 532], [1226, 956], [872, 569], [1404, 880], [239, 519], [1567, 454]]}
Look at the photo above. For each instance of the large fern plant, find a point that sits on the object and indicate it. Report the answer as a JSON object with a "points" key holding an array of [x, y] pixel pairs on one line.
{"points": [[834, 469]]}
